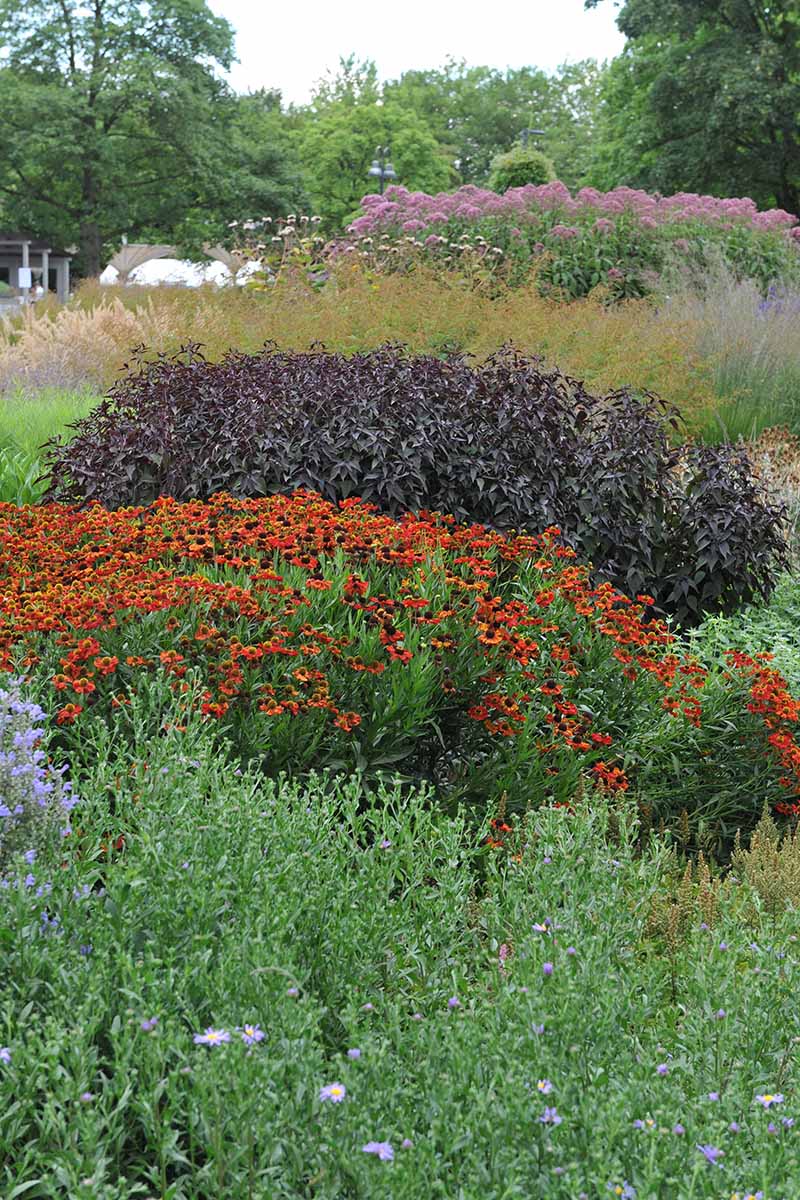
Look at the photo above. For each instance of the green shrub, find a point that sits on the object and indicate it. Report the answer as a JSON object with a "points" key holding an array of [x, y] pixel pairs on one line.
{"points": [[518, 166]]}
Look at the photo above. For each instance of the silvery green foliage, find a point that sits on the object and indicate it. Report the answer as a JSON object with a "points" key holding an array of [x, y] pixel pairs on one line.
{"points": [[35, 799]]}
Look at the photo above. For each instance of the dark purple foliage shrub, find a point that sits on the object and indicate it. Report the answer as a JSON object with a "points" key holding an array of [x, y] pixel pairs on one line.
{"points": [[506, 444]]}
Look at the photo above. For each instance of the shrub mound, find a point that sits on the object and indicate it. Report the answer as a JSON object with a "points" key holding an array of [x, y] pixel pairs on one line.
{"points": [[506, 443], [332, 637]]}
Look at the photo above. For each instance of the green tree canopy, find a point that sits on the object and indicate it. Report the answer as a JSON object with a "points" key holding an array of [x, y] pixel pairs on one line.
{"points": [[115, 121], [706, 98], [476, 113], [348, 118]]}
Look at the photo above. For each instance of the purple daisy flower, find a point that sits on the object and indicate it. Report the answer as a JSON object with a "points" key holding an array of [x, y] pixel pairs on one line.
{"points": [[382, 1150], [334, 1092], [550, 1117], [711, 1154], [212, 1037], [251, 1034]]}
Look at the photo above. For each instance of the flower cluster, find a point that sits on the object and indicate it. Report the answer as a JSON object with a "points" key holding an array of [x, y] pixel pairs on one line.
{"points": [[621, 239], [35, 799], [417, 211], [272, 614]]}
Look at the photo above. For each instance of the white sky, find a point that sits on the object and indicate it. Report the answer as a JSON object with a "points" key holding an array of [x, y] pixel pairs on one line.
{"points": [[291, 46]]}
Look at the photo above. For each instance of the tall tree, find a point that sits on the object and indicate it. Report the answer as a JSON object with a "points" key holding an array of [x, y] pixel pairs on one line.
{"points": [[478, 112], [115, 120], [349, 116], [707, 97]]}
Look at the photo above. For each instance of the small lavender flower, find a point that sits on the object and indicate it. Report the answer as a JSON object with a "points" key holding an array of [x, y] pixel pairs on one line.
{"points": [[768, 1099], [148, 1025], [624, 1190], [212, 1037], [544, 1086], [538, 1029], [787, 1122], [382, 1150], [86, 949], [385, 844], [550, 1117], [723, 945], [547, 968], [734, 1127], [713, 1097], [86, 1097], [333, 1092], [293, 992], [417, 1017], [772, 1127], [571, 951], [354, 1053], [406, 1144], [454, 1002], [711, 1154], [720, 1014], [662, 1069], [251, 1034], [368, 1007], [5, 1055], [678, 1129]]}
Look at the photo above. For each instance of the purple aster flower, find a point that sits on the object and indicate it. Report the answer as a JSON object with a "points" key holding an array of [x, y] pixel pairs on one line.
{"points": [[86, 1097], [624, 1190], [30, 880], [30, 857], [678, 1129], [538, 1028], [335, 1092], [544, 1086], [787, 1122], [734, 1127], [382, 1150], [547, 860], [662, 1069], [547, 968], [292, 992], [417, 1017], [251, 1034], [550, 1117], [406, 1144], [384, 845], [711, 1154], [540, 926], [768, 1099], [147, 1026], [354, 1053], [720, 1014], [723, 945], [368, 1007], [772, 1127], [85, 950], [212, 1037], [571, 951], [5, 1055], [454, 1002], [713, 1096]]}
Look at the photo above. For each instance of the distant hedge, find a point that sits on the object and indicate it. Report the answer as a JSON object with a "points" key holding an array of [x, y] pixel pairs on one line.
{"points": [[506, 444]]}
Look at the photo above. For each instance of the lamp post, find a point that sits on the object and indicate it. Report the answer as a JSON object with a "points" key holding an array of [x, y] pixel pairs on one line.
{"points": [[381, 168], [524, 134]]}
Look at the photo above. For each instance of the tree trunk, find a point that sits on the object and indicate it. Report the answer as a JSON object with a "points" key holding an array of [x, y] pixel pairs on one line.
{"points": [[91, 248]]}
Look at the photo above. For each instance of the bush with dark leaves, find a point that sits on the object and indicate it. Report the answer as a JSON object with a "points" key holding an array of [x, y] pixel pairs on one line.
{"points": [[507, 444]]}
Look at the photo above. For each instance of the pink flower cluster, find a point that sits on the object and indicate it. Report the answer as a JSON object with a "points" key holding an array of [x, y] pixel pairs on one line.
{"points": [[416, 211]]}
